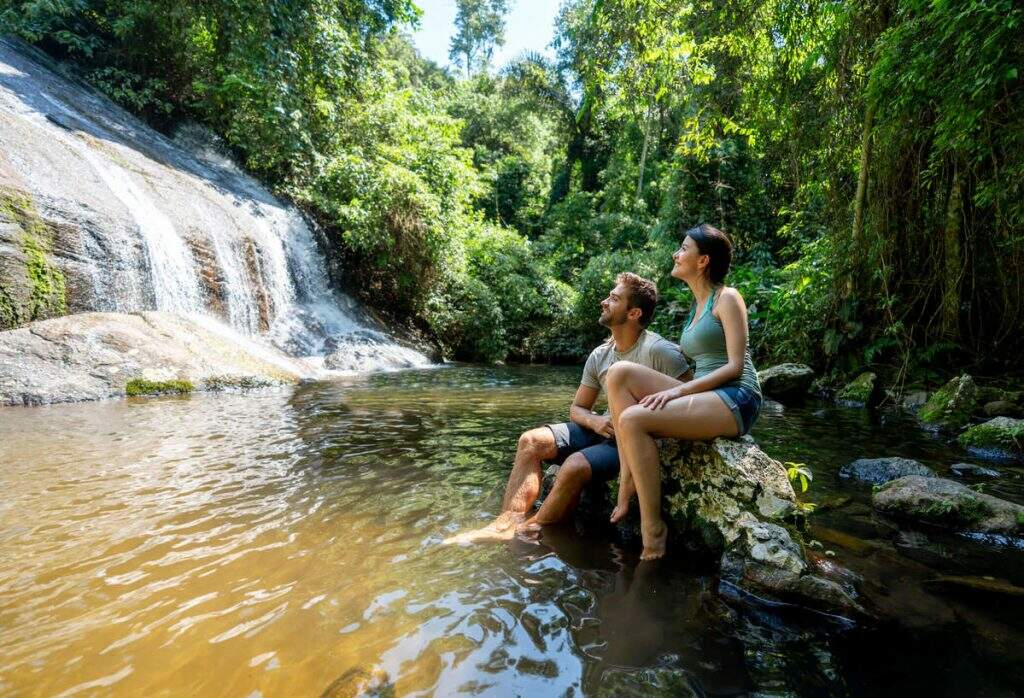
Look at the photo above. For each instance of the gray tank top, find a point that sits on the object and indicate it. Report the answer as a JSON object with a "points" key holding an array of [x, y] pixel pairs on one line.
{"points": [[703, 342]]}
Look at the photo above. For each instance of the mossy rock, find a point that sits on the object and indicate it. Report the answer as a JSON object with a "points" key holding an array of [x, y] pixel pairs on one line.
{"points": [[947, 503], [952, 405], [859, 392], [220, 383], [1001, 434], [139, 386]]}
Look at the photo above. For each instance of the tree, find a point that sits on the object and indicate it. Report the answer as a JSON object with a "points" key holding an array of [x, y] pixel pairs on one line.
{"points": [[480, 27]]}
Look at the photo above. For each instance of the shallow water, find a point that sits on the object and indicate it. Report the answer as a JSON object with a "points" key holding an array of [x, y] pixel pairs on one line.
{"points": [[288, 543]]}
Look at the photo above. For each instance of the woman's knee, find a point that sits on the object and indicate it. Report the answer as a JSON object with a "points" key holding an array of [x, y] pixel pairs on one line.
{"points": [[619, 372], [634, 419]]}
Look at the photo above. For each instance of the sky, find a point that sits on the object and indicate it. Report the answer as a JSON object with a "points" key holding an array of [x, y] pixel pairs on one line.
{"points": [[529, 26]]}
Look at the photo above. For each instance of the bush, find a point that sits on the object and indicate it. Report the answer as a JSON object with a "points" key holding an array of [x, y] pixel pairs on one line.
{"points": [[467, 321]]}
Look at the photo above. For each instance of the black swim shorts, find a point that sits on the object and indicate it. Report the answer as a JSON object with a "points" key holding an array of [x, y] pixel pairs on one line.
{"points": [[600, 452]]}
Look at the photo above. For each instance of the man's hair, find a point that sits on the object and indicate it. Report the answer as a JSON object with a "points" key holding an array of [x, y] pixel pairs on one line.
{"points": [[643, 294]]}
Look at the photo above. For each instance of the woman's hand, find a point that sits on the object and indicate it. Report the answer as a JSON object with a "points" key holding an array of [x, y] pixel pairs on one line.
{"points": [[655, 401]]}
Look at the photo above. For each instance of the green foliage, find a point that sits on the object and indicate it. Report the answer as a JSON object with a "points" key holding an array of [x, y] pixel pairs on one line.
{"points": [[799, 473], [479, 25], [139, 386]]}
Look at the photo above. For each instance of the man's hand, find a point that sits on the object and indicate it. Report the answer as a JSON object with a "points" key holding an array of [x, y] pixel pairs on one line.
{"points": [[603, 426]]}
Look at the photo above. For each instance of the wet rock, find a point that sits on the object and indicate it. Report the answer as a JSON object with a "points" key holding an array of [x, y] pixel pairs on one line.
{"points": [[986, 586], [766, 561], [1003, 435], [952, 405], [1002, 408], [914, 400], [988, 394], [360, 682], [972, 470], [91, 356], [948, 503], [786, 381], [842, 539], [881, 470], [860, 392]]}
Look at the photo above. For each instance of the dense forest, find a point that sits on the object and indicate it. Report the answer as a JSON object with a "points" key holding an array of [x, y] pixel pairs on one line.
{"points": [[866, 157]]}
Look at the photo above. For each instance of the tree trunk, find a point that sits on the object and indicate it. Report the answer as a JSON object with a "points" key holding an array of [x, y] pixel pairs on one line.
{"points": [[952, 258], [862, 178], [643, 151]]}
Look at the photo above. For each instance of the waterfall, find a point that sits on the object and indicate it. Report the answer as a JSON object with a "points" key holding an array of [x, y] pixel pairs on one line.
{"points": [[175, 225]]}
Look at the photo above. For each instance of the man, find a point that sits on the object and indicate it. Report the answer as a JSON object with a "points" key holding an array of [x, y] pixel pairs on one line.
{"points": [[585, 446]]}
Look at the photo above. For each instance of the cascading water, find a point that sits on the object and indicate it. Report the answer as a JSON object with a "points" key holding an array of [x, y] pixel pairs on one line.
{"points": [[174, 225]]}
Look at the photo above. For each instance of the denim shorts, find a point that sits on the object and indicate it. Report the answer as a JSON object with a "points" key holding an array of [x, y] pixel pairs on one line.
{"points": [[602, 454], [744, 404]]}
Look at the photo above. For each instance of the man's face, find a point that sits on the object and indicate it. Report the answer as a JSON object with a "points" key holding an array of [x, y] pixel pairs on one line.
{"points": [[615, 308]]}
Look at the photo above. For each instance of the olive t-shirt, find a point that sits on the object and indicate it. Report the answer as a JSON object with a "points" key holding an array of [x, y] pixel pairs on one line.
{"points": [[651, 350]]}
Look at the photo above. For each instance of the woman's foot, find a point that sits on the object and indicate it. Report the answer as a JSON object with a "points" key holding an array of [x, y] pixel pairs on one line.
{"points": [[654, 537], [619, 512]]}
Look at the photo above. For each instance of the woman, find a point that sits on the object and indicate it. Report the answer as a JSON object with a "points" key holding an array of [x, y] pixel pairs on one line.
{"points": [[723, 399]]}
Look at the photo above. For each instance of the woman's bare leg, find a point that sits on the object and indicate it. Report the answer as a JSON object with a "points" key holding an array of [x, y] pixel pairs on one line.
{"points": [[695, 417], [626, 384]]}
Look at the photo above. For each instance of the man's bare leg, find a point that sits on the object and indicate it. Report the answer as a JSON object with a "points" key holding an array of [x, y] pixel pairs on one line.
{"points": [[522, 490], [572, 477]]}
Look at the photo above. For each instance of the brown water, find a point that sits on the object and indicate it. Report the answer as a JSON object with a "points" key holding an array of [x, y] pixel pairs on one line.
{"points": [[288, 543]]}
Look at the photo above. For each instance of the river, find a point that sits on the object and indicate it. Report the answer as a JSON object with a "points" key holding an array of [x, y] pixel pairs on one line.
{"points": [[288, 542]]}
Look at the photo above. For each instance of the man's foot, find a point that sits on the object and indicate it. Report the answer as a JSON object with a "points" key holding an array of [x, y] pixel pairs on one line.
{"points": [[619, 512], [654, 539], [502, 528]]}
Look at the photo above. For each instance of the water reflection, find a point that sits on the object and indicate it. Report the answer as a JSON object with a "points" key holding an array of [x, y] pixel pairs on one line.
{"points": [[287, 542]]}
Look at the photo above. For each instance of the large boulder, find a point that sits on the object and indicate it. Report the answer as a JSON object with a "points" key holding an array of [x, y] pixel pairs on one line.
{"points": [[91, 356], [862, 391], [1002, 408], [730, 497], [786, 381], [952, 405], [947, 503], [881, 470], [1003, 435]]}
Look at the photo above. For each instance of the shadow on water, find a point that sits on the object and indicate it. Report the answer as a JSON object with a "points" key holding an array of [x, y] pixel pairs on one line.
{"points": [[289, 542]]}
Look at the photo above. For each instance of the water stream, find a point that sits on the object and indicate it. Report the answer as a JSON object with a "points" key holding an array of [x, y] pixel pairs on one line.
{"points": [[287, 542]]}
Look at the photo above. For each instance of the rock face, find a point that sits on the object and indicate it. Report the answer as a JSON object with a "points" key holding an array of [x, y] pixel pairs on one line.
{"points": [[1002, 408], [729, 495], [947, 503], [860, 392], [786, 381], [972, 470], [881, 470], [1001, 434], [91, 356], [952, 405]]}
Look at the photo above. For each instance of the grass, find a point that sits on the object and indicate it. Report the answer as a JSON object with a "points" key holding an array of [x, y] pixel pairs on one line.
{"points": [[139, 386]]}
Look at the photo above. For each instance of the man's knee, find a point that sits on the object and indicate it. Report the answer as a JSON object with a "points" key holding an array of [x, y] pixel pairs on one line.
{"points": [[575, 472], [539, 442]]}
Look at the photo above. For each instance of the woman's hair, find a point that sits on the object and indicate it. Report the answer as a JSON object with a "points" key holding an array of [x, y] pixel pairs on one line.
{"points": [[716, 245]]}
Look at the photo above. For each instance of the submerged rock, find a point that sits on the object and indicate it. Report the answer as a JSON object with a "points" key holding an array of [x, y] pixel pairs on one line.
{"points": [[786, 381], [1002, 408], [860, 392], [91, 356], [915, 400], [948, 503], [1002, 434], [881, 470], [972, 470], [952, 405]]}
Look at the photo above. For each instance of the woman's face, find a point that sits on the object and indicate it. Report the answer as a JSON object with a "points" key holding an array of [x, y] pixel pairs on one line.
{"points": [[689, 262]]}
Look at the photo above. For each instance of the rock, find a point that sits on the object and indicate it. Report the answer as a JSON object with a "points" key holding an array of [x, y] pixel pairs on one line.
{"points": [[860, 392], [766, 561], [948, 503], [972, 470], [91, 356], [727, 495], [952, 405], [986, 586], [991, 394], [786, 381], [881, 470], [1002, 408], [1001, 434], [915, 400], [367, 350]]}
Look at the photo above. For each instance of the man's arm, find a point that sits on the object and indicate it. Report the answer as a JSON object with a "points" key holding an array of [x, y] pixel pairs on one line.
{"points": [[581, 412]]}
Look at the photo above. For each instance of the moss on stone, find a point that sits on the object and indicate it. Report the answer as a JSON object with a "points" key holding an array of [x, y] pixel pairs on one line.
{"points": [[952, 404], [860, 390], [47, 291], [1003, 433], [139, 386]]}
